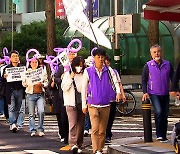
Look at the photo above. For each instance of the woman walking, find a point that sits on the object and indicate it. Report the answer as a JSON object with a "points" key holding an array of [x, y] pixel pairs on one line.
{"points": [[35, 96], [71, 86]]}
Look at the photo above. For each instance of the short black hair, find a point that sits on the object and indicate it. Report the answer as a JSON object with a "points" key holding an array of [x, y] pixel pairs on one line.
{"points": [[13, 51], [108, 58], [99, 51], [76, 62]]}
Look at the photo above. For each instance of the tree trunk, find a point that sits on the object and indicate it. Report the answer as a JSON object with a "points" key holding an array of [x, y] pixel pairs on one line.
{"points": [[50, 29], [50, 26], [153, 32]]}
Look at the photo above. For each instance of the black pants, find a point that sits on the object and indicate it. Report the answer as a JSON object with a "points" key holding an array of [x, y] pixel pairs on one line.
{"points": [[111, 119], [63, 123], [6, 113]]}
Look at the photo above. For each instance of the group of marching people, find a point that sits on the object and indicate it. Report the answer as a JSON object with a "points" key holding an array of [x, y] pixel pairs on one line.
{"points": [[16, 93], [71, 88], [79, 89], [85, 89]]}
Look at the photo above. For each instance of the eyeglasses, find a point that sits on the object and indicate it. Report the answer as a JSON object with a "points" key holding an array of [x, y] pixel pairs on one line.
{"points": [[14, 56]]}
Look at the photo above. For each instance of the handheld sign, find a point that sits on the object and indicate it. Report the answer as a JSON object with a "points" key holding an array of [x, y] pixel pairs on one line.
{"points": [[35, 76], [15, 73], [63, 58]]}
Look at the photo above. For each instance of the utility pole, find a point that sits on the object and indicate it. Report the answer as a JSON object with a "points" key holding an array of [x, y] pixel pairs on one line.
{"points": [[50, 29], [91, 20], [50, 26], [116, 44]]}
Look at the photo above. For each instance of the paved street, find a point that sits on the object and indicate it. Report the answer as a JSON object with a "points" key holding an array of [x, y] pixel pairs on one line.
{"points": [[21, 142]]}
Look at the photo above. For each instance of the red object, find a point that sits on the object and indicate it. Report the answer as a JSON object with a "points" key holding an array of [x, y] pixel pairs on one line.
{"points": [[168, 10], [60, 11]]}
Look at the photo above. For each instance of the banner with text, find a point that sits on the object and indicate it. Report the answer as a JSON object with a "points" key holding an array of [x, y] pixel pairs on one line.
{"points": [[15, 73], [78, 20], [60, 11]]}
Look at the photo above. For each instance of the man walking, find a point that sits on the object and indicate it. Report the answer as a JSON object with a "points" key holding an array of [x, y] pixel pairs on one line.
{"points": [[96, 87], [14, 94], [155, 83]]}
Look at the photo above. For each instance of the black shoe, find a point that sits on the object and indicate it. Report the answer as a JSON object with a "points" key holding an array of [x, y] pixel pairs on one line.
{"points": [[65, 141], [74, 149], [86, 133]]}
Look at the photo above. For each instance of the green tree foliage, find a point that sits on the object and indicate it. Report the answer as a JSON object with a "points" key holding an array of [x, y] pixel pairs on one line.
{"points": [[61, 26], [83, 52], [34, 36]]}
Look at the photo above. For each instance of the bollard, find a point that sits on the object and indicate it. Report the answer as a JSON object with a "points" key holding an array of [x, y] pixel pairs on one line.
{"points": [[146, 109]]}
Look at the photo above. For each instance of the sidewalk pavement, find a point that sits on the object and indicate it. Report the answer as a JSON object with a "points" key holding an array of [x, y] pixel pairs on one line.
{"points": [[136, 145]]}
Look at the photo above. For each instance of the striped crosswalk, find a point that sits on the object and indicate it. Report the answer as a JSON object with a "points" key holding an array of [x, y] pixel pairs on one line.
{"points": [[123, 127], [134, 126]]}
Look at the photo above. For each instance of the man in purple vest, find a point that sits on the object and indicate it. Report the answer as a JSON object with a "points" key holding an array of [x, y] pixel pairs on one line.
{"points": [[96, 87], [155, 84]]}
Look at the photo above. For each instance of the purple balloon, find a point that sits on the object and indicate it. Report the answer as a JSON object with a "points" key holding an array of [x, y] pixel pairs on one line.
{"points": [[30, 59], [6, 58], [54, 61], [93, 51], [5, 51], [71, 43], [58, 50]]}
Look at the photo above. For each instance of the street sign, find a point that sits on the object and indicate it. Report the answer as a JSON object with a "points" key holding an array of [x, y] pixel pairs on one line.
{"points": [[129, 23]]}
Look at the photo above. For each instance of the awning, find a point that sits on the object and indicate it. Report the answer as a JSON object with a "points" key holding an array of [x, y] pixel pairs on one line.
{"points": [[168, 10]]}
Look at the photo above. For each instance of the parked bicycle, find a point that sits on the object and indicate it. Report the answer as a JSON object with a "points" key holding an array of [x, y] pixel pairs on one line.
{"points": [[129, 106]]}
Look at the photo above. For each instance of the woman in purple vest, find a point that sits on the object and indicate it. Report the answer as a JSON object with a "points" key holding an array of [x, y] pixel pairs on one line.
{"points": [[155, 83], [96, 87]]}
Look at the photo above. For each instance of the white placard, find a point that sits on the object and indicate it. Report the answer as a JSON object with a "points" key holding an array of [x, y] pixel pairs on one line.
{"points": [[35, 76], [15, 73], [63, 58]]}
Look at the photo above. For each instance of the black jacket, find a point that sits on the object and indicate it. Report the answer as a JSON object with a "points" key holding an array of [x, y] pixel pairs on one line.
{"points": [[10, 86]]}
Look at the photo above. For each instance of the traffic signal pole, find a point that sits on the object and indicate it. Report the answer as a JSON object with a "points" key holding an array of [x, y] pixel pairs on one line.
{"points": [[116, 44]]}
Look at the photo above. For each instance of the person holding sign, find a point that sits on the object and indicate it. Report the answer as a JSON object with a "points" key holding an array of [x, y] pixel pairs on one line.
{"points": [[58, 79], [35, 79], [71, 86], [14, 89]]}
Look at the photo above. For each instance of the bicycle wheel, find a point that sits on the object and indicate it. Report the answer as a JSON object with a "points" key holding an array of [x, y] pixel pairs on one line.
{"points": [[129, 106]]}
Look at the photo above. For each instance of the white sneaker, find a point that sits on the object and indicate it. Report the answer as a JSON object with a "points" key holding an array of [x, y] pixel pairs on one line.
{"points": [[13, 128], [33, 134], [41, 134], [10, 127], [2, 116], [159, 138], [86, 133], [98, 152], [79, 151], [62, 139]]}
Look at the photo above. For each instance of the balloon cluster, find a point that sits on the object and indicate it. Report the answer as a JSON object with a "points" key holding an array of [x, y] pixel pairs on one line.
{"points": [[6, 58], [53, 61]]}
